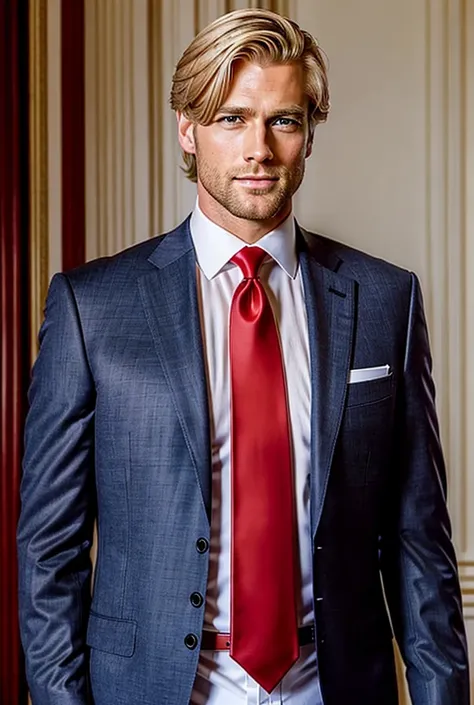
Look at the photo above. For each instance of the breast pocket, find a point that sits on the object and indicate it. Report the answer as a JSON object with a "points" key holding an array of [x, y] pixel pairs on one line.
{"points": [[364, 445], [371, 392]]}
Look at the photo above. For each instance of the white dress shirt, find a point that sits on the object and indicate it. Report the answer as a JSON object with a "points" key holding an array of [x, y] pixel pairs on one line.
{"points": [[220, 680]]}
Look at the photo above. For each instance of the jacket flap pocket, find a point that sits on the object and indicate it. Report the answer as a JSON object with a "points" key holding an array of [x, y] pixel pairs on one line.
{"points": [[114, 636]]}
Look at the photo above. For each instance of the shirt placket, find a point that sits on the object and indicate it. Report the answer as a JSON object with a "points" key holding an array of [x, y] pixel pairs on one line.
{"points": [[256, 695]]}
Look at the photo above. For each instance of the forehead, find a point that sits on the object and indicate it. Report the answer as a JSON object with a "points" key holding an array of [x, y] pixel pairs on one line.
{"points": [[251, 82]]}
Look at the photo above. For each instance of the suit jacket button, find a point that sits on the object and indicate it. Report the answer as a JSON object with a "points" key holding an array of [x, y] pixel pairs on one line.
{"points": [[191, 641], [196, 599], [202, 545]]}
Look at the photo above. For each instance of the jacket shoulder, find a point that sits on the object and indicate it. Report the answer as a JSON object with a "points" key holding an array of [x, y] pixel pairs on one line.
{"points": [[131, 259], [129, 263], [354, 263]]}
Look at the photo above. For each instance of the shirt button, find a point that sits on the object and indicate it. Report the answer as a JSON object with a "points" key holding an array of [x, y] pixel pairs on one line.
{"points": [[190, 641], [196, 599], [202, 545]]}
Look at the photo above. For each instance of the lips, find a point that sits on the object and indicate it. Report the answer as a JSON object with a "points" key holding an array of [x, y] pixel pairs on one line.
{"points": [[260, 177], [257, 182]]}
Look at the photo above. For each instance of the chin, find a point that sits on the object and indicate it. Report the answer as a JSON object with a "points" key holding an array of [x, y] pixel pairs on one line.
{"points": [[255, 213], [255, 210]]}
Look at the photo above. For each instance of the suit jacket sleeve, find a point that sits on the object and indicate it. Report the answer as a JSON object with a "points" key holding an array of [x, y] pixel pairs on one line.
{"points": [[418, 561], [58, 508]]}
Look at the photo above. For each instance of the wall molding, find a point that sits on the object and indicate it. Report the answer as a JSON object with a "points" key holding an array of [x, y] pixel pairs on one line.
{"points": [[38, 166], [466, 571], [445, 239], [117, 150], [54, 140]]}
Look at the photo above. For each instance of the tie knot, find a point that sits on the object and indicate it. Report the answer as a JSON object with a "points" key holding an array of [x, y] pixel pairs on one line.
{"points": [[249, 259]]}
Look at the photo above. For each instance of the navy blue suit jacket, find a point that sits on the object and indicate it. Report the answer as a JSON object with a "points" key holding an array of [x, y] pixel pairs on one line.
{"points": [[119, 429]]}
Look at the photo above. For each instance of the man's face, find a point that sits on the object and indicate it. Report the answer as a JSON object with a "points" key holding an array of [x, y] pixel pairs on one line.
{"points": [[251, 158]]}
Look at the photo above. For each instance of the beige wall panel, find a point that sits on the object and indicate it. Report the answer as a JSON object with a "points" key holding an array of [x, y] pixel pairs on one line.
{"points": [[38, 167], [117, 125], [54, 136], [91, 68], [173, 27], [208, 11], [469, 253], [389, 175], [140, 117], [239, 4], [468, 569], [366, 180], [386, 174]]}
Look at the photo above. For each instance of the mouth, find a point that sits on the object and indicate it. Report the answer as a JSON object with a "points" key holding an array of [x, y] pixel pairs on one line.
{"points": [[257, 182]]}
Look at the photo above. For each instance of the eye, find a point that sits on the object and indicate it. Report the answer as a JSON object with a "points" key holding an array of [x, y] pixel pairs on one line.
{"points": [[230, 119], [286, 122]]}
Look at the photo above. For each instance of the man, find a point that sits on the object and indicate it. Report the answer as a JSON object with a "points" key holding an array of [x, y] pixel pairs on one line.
{"points": [[249, 411]]}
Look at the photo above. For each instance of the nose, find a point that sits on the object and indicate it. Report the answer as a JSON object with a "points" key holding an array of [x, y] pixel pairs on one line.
{"points": [[256, 146]]}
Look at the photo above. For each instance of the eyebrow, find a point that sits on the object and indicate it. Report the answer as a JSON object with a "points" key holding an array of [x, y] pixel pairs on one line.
{"points": [[289, 110]]}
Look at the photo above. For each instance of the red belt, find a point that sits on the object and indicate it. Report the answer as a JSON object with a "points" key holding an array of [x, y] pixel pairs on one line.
{"points": [[217, 641]]}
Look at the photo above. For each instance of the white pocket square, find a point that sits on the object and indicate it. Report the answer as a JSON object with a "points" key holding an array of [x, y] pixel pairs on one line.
{"points": [[367, 374]]}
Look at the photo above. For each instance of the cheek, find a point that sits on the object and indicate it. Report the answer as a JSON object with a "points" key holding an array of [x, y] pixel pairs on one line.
{"points": [[218, 149], [228, 145], [292, 152], [295, 160]]}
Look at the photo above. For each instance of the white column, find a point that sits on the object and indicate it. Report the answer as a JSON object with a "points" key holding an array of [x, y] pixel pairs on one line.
{"points": [[210, 10], [173, 26], [117, 125]]}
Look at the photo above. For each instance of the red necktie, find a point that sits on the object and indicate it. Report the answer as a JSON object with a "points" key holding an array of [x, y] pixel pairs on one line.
{"points": [[264, 633]]}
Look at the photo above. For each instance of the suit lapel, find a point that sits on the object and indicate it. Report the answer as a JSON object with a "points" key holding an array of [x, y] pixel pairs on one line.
{"points": [[170, 300], [330, 306], [169, 297]]}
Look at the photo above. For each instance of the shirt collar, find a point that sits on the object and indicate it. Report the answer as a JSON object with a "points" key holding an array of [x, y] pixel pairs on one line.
{"points": [[215, 246]]}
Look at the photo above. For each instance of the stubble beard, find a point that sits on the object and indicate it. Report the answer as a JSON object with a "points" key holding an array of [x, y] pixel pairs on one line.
{"points": [[250, 204]]}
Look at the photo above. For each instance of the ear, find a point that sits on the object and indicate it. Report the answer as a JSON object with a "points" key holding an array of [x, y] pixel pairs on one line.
{"points": [[309, 145], [186, 133]]}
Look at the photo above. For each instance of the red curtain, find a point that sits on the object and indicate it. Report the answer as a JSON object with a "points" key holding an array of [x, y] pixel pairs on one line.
{"points": [[14, 322], [14, 276], [73, 130]]}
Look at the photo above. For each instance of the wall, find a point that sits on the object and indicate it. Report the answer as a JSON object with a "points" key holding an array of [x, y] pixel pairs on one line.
{"points": [[392, 171], [391, 174], [467, 271]]}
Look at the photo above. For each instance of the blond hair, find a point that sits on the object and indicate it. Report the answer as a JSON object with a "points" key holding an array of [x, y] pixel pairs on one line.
{"points": [[203, 74]]}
